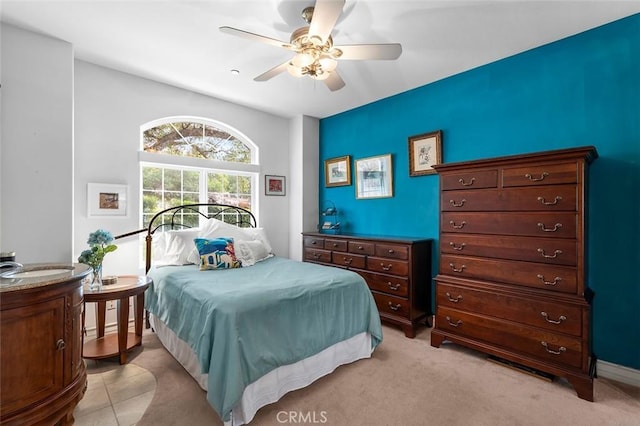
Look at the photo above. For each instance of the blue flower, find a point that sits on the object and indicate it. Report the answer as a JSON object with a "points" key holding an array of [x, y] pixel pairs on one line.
{"points": [[99, 243]]}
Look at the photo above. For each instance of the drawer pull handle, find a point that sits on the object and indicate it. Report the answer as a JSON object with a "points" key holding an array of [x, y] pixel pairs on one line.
{"points": [[391, 251], [394, 307], [550, 256], [451, 299], [558, 352], [386, 268], [393, 287], [348, 261], [453, 224], [457, 247], [463, 183], [360, 248], [60, 345], [335, 244], [558, 321], [453, 324], [542, 176], [460, 204], [314, 242], [550, 203], [457, 270], [554, 229], [554, 282], [317, 255]]}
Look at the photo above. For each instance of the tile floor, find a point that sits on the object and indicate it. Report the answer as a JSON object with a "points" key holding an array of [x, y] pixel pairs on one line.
{"points": [[116, 394]]}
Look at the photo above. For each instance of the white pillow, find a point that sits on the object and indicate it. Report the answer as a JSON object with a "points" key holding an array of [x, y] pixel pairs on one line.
{"points": [[175, 247], [250, 252]]}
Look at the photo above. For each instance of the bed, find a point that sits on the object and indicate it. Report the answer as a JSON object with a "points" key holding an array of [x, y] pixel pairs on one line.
{"points": [[248, 325]]}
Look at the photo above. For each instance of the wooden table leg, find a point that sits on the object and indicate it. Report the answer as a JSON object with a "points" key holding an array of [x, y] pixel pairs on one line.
{"points": [[123, 328], [138, 304], [101, 312]]}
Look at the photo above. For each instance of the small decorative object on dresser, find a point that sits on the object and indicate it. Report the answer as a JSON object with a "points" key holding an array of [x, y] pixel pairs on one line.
{"points": [[397, 271], [512, 279]]}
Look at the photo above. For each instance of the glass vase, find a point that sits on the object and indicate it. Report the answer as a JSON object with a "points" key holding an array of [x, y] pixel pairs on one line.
{"points": [[96, 279]]}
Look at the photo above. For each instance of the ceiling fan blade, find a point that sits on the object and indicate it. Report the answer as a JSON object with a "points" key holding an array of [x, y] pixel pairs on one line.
{"points": [[370, 51], [257, 37], [334, 81], [272, 72], [325, 16]]}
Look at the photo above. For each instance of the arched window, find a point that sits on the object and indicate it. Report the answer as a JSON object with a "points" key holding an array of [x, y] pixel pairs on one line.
{"points": [[189, 160]]}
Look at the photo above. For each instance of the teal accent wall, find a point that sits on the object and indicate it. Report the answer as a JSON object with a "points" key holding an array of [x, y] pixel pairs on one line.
{"points": [[582, 90]]}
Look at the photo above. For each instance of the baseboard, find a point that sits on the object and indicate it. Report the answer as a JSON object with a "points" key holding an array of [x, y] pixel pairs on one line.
{"points": [[618, 373]]}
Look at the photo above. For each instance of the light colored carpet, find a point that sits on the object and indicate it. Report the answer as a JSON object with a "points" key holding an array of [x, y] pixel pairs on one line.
{"points": [[406, 382]]}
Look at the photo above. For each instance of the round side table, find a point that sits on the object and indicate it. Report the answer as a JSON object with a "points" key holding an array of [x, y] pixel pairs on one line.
{"points": [[116, 344]]}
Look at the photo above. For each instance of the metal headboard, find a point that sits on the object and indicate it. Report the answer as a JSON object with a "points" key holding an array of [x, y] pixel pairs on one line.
{"points": [[233, 215]]}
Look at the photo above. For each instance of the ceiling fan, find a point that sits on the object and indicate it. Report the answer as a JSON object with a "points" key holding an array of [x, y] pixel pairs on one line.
{"points": [[315, 55]]}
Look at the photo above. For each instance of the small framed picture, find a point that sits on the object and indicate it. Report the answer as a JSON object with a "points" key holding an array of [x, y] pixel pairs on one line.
{"points": [[337, 171], [105, 199], [274, 185], [374, 177], [425, 151]]}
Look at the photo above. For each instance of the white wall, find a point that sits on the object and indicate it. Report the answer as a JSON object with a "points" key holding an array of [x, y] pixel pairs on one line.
{"points": [[110, 107], [304, 142], [36, 147]]}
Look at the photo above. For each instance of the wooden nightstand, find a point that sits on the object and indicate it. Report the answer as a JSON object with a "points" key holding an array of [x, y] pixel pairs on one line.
{"points": [[116, 344]]}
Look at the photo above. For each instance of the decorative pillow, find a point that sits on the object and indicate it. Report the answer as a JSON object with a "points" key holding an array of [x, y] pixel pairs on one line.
{"points": [[218, 253], [174, 247], [214, 228], [251, 252]]}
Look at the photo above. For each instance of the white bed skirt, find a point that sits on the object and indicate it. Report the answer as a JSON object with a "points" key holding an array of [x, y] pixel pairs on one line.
{"points": [[272, 386]]}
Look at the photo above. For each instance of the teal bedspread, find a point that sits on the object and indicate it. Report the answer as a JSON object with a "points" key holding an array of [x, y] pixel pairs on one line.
{"points": [[242, 323]]}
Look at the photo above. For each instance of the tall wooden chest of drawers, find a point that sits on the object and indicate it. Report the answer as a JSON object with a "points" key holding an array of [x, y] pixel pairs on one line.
{"points": [[397, 271], [511, 278]]}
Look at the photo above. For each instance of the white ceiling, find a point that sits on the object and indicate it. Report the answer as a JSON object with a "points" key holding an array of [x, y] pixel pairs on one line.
{"points": [[178, 42]]}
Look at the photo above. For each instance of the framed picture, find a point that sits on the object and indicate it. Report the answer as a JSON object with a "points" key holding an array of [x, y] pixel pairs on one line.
{"points": [[424, 152], [274, 185], [374, 177], [106, 199], [337, 171]]}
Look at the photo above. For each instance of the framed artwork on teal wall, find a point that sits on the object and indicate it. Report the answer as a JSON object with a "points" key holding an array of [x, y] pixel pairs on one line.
{"points": [[425, 151], [337, 171], [374, 177]]}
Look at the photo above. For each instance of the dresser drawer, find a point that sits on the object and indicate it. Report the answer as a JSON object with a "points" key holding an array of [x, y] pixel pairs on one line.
{"points": [[392, 251], [392, 305], [389, 266], [397, 286], [361, 247], [536, 275], [349, 260], [313, 242], [540, 343], [556, 317], [316, 255], [337, 245], [555, 251], [543, 174], [540, 224], [544, 198], [469, 180]]}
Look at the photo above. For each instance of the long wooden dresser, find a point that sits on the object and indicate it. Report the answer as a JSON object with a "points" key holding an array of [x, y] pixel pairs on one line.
{"points": [[512, 276], [397, 271]]}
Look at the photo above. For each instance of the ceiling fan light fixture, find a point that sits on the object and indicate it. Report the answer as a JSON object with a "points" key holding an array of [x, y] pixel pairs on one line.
{"points": [[321, 75], [303, 59], [327, 63], [294, 70]]}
